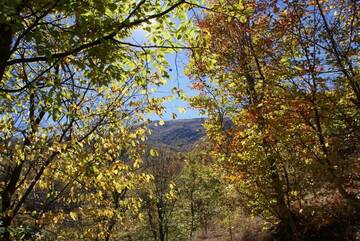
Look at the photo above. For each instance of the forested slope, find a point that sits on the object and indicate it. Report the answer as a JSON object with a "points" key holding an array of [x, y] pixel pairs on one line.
{"points": [[181, 135]]}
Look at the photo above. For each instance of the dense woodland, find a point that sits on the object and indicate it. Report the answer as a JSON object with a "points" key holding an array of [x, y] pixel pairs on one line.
{"points": [[277, 80]]}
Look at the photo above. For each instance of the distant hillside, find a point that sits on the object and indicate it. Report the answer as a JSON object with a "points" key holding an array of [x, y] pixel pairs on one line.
{"points": [[180, 135]]}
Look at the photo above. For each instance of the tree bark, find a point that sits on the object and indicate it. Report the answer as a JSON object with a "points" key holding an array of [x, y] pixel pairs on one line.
{"points": [[5, 47]]}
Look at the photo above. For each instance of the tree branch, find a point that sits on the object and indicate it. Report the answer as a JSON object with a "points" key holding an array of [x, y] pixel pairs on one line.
{"points": [[125, 24]]}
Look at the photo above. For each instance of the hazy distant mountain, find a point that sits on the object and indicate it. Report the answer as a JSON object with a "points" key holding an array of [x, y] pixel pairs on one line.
{"points": [[180, 135]]}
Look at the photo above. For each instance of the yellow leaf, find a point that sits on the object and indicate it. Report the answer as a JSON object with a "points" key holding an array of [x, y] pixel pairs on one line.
{"points": [[73, 216], [152, 152], [181, 109]]}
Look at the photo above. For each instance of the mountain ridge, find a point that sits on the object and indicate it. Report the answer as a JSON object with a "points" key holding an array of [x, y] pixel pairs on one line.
{"points": [[179, 134]]}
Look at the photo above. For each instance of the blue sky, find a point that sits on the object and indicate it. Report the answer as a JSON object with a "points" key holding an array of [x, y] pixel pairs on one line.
{"points": [[177, 79]]}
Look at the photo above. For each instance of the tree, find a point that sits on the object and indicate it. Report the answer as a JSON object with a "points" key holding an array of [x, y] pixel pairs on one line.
{"points": [[160, 196], [200, 191], [286, 83], [70, 87]]}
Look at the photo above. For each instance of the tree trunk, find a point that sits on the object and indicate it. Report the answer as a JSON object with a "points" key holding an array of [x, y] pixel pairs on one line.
{"points": [[5, 223], [230, 227], [6, 204], [5, 46], [288, 226], [161, 221]]}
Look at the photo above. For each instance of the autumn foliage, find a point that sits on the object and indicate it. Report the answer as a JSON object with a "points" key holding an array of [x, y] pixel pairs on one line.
{"points": [[286, 74]]}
